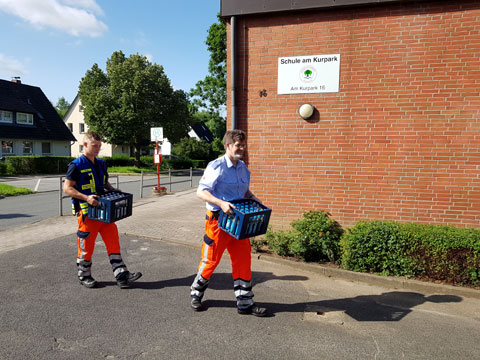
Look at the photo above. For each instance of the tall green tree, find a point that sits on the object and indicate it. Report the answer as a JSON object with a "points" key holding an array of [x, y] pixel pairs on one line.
{"points": [[132, 96], [192, 148], [211, 93], [62, 107]]}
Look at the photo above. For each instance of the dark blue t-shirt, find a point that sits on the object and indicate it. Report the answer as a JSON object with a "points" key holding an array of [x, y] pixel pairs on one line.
{"points": [[74, 174]]}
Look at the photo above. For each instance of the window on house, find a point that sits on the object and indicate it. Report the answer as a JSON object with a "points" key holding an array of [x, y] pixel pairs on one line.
{"points": [[82, 128], [70, 127], [27, 148], [80, 148], [6, 116], [7, 147], [46, 148], [23, 118]]}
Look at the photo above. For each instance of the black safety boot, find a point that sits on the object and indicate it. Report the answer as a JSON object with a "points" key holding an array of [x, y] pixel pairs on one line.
{"points": [[87, 281], [127, 278], [253, 310], [197, 305]]}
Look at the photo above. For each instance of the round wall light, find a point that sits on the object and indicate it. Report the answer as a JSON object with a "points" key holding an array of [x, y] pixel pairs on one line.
{"points": [[306, 111]]}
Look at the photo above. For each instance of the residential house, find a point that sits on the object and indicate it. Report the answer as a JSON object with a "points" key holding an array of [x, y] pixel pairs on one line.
{"points": [[200, 131], [76, 123], [29, 124]]}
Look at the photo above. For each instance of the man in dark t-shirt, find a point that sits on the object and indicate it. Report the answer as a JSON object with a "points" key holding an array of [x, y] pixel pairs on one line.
{"points": [[86, 178]]}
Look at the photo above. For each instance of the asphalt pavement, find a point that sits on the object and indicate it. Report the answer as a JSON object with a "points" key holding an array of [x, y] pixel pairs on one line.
{"points": [[315, 312]]}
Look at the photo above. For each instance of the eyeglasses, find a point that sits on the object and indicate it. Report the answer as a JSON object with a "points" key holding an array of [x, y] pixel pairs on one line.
{"points": [[240, 146]]}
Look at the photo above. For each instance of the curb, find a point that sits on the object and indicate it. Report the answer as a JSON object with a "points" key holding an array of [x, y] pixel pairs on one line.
{"points": [[394, 282]]}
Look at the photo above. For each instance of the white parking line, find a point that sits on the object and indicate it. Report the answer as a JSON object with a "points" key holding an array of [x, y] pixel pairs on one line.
{"points": [[38, 184]]}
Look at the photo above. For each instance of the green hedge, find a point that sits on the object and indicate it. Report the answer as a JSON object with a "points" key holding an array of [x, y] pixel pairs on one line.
{"points": [[119, 160], [433, 252], [177, 163], [444, 253], [33, 165], [378, 246]]}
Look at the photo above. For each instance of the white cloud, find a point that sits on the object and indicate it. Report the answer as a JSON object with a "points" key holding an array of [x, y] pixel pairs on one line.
{"points": [[88, 4], [75, 17], [11, 67], [149, 57]]}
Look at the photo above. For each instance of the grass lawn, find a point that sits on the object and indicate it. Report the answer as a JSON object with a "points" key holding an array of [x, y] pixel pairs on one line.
{"points": [[8, 190]]}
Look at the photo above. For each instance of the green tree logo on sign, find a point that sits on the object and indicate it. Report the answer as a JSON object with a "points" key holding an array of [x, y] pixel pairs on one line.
{"points": [[308, 74]]}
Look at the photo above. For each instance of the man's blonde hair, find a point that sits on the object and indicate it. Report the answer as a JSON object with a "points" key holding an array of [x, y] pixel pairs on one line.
{"points": [[91, 136]]}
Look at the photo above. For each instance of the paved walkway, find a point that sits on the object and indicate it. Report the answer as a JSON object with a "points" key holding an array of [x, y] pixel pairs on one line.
{"points": [[179, 218], [316, 312]]}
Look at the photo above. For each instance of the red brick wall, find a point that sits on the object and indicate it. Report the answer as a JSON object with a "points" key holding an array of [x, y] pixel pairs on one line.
{"points": [[399, 141]]}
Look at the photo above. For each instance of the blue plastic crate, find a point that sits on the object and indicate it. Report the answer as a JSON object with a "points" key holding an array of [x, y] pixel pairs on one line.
{"points": [[112, 206], [249, 218]]}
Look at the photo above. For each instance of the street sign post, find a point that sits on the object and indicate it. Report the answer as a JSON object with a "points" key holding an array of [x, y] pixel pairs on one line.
{"points": [[156, 134]]}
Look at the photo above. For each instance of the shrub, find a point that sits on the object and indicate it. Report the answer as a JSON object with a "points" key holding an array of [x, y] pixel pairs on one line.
{"points": [[32, 165], [192, 148], [377, 246], [147, 161], [257, 243], [6, 168], [445, 252], [202, 164], [119, 160], [279, 242], [313, 238], [177, 163], [316, 237]]}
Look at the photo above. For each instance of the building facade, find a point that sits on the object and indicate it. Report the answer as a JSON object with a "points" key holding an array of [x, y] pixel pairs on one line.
{"points": [[29, 124], [395, 131]]}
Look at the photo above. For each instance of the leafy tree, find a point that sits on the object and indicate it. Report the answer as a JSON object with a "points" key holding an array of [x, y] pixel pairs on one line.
{"points": [[217, 147], [132, 96], [194, 149], [211, 93], [62, 107]]}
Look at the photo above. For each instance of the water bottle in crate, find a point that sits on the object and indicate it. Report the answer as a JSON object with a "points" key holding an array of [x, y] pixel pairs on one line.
{"points": [[112, 206], [249, 218]]}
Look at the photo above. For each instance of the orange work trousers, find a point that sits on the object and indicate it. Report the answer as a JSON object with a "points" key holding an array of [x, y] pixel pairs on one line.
{"points": [[214, 245], [87, 233]]}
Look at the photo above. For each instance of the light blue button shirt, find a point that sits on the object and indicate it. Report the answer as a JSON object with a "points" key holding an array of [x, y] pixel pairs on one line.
{"points": [[225, 180]]}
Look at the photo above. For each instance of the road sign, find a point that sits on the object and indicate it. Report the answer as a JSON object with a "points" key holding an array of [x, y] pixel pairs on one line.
{"points": [[156, 134]]}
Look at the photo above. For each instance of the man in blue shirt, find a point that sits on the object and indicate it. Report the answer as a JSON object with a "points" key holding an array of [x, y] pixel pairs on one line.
{"points": [[225, 179]]}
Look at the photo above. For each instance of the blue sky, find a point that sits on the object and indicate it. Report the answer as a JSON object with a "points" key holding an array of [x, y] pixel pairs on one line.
{"points": [[52, 43]]}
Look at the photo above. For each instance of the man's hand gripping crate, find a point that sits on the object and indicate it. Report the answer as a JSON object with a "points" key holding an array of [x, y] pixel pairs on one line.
{"points": [[249, 218], [112, 206]]}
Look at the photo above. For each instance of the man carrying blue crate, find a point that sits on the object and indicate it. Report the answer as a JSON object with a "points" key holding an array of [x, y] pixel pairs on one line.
{"points": [[86, 178], [226, 179]]}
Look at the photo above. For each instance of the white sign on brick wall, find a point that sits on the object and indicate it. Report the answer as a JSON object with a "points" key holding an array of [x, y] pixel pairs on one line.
{"points": [[308, 74]]}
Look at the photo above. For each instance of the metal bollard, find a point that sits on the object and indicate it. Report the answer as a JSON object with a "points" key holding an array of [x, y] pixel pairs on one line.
{"points": [[60, 197]]}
